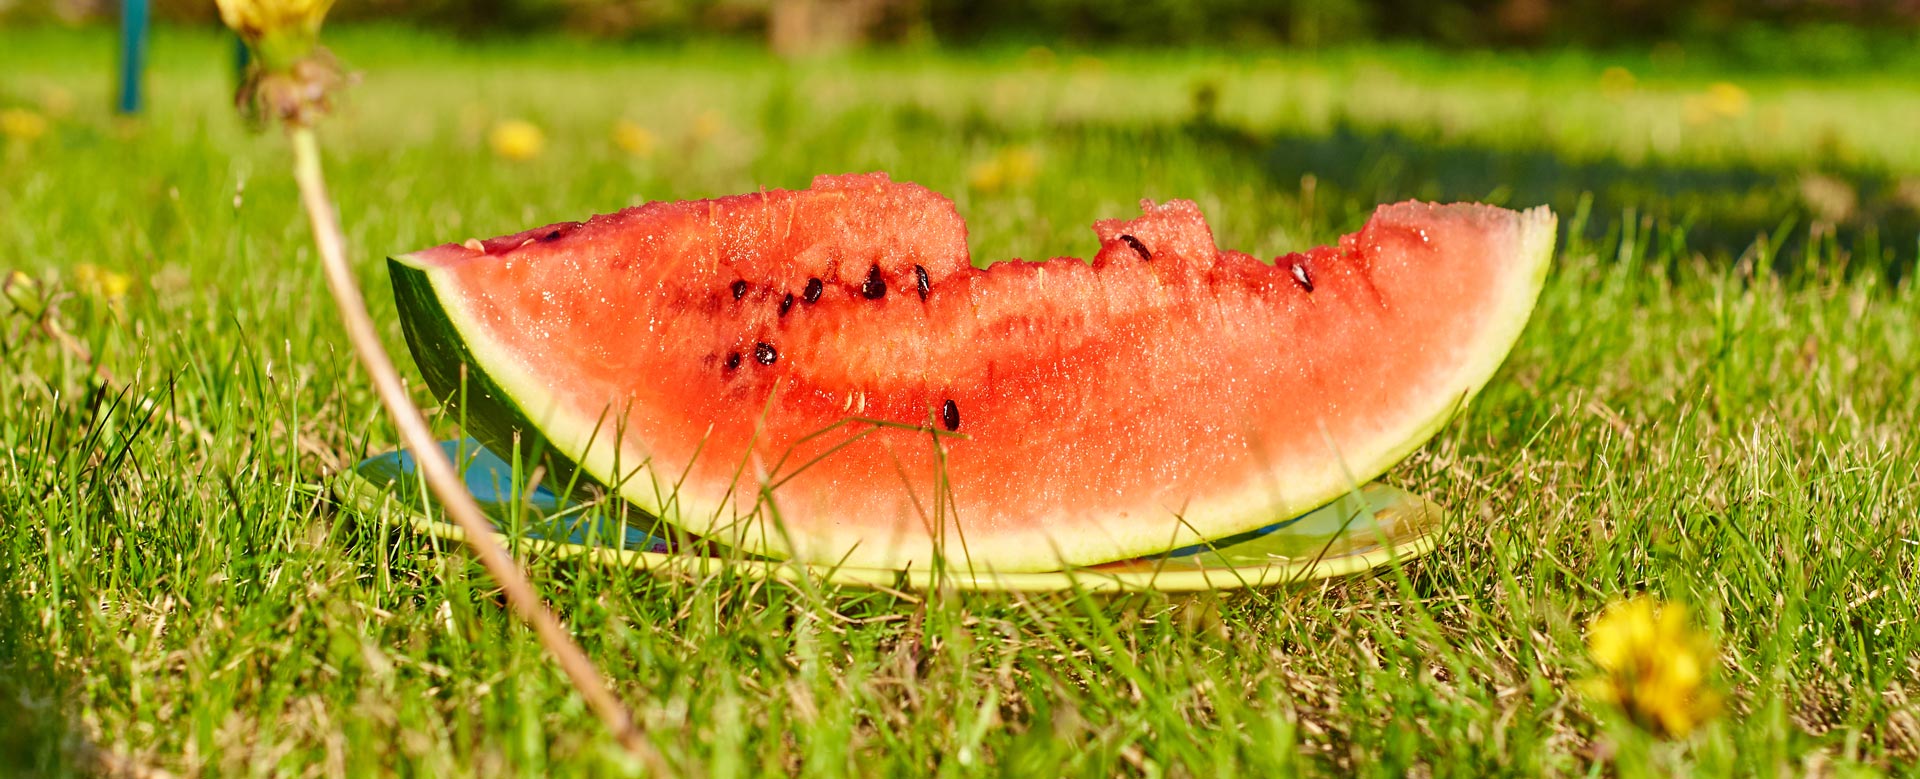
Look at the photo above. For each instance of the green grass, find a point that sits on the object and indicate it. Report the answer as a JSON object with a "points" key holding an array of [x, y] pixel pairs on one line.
{"points": [[1721, 416]]}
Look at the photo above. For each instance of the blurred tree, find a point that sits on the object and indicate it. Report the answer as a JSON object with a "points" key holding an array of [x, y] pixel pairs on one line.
{"points": [[1153, 22], [799, 27], [658, 18], [1833, 32]]}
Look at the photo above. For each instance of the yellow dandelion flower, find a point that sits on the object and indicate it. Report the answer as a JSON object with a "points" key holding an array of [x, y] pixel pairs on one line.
{"points": [[22, 124], [1008, 169], [1727, 100], [985, 176], [95, 281], [517, 139], [280, 32], [635, 139], [1617, 82], [1021, 166], [255, 19], [1652, 665]]}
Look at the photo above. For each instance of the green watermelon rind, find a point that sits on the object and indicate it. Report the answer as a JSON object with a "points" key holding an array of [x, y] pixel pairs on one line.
{"points": [[500, 417], [487, 411]]}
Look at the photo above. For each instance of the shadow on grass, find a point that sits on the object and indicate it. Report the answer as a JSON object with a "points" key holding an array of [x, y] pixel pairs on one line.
{"points": [[1814, 214], [37, 724], [1871, 217]]}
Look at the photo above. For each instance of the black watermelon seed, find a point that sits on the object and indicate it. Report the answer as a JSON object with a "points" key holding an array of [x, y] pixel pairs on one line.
{"points": [[553, 236], [812, 292], [739, 289], [950, 414], [875, 287], [1138, 247], [764, 353], [733, 361], [920, 279], [1301, 276], [786, 303]]}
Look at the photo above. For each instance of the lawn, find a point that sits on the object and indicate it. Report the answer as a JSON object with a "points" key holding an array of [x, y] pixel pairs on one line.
{"points": [[1715, 402]]}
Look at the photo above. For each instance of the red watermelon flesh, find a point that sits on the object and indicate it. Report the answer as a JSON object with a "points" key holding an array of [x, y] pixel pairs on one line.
{"points": [[824, 373]]}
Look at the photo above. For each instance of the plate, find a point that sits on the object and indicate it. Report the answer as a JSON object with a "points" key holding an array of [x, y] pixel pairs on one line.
{"points": [[1372, 526]]}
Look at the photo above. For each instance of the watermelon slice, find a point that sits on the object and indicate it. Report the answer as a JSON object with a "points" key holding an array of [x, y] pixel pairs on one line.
{"points": [[823, 374]]}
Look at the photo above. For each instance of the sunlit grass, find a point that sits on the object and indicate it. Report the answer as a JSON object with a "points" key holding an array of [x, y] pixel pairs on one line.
{"points": [[1730, 428]]}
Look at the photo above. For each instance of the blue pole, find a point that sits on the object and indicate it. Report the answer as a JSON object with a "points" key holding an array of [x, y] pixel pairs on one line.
{"points": [[133, 53], [240, 59]]}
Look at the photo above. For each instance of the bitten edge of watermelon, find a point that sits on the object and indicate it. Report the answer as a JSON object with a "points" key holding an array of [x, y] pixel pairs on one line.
{"points": [[492, 415]]}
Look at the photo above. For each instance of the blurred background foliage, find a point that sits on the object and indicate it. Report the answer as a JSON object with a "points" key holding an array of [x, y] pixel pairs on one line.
{"points": [[1718, 119], [1844, 32]]}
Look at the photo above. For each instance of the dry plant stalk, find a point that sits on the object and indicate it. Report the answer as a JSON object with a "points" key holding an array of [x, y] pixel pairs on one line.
{"points": [[289, 82], [433, 464]]}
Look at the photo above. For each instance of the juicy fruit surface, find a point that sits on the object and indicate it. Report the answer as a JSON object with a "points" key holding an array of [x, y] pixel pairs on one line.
{"points": [[824, 373]]}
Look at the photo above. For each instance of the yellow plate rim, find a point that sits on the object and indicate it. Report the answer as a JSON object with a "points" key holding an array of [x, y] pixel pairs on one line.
{"points": [[371, 498]]}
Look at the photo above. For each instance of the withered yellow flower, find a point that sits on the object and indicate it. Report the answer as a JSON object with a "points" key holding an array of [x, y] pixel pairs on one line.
{"points": [[517, 139], [290, 76], [98, 282], [1617, 82], [1653, 665], [1727, 99], [22, 124], [634, 139], [24, 294], [1008, 169], [1721, 101]]}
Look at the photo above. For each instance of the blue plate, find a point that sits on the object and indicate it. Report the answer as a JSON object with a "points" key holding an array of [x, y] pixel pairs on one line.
{"points": [[1372, 526]]}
